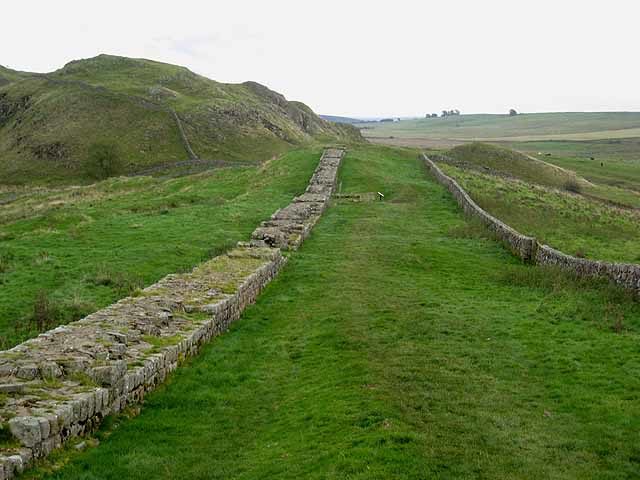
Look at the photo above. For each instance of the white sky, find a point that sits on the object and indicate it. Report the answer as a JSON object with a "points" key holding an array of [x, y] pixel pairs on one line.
{"points": [[359, 58]]}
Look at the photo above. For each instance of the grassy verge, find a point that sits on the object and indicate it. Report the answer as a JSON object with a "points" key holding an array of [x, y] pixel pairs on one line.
{"points": [[569, 222], [396, 344], [70, 251]]}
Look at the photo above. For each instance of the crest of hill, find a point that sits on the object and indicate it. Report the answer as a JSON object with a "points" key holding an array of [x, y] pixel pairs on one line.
{"points": [[503, 161], [49, 122], [7, 75]]}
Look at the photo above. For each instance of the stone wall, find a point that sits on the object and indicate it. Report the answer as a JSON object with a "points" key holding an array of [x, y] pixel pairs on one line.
{"points": [[61, 384], [521, 245], [528, 248], [626, 275]]}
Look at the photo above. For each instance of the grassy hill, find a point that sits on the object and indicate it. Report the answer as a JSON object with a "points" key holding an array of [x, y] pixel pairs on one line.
{"points": [[49, 122], [503, 161], [559, 207]]}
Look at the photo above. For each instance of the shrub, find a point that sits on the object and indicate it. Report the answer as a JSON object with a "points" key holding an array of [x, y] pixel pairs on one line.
{"points": [[5, 261], [45, 312], [104, 160], [572, 186], [122, 282]]}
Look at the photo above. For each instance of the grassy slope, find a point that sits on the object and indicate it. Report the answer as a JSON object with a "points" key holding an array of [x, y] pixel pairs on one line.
{"points": [[569, 222], [500, 126], [512, 163], [87, 246], [394, 346], [48, 122], [536, 170], [615, 162]]}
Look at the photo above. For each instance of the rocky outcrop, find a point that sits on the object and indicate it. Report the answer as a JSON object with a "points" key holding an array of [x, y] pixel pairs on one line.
{"points": [[61, 384], [528, 248]]}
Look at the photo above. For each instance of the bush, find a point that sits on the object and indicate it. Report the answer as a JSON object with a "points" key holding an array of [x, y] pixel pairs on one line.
{"points": [[572, 186], [121, 282], [104, 161], [45, 313], [5, 261]]}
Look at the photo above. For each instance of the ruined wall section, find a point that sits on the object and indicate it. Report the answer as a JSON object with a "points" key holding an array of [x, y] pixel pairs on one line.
{"points": [[61, 384]]}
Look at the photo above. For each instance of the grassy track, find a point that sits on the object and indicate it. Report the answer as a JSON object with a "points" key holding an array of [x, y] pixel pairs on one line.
{"points": [[395, 345], [85, 247]]}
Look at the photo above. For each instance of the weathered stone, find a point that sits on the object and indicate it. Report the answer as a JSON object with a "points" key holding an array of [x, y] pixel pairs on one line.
{"points": [[109, 374], [27, 372], [16, 463], [50, 370], [12, 387], [26, 429]]}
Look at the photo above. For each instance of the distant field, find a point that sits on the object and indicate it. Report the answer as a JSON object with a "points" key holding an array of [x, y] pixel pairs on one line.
{"points": [[428, 132]]}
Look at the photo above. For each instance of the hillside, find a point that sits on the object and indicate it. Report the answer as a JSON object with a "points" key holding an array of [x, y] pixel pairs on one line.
{"points": [[49, 122], [502, 161]]}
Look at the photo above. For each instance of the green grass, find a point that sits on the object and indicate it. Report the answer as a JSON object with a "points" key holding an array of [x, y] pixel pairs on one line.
{"points": [[572, 223], [81, 248], [393, 347]]}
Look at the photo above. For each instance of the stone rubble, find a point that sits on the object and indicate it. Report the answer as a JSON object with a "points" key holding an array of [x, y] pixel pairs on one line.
{"points": [[61, 384]]}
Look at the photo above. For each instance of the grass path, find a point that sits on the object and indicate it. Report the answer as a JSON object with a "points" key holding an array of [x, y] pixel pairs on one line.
{"points": [[396, 344]]}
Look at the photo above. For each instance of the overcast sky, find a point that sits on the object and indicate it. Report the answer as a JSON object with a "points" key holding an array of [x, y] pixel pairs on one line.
{"points": [[359, 58]]}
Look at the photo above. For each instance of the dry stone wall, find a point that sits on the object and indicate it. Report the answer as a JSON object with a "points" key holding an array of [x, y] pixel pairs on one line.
{"points": [[521, 245], [528, 248], [61, 384]]}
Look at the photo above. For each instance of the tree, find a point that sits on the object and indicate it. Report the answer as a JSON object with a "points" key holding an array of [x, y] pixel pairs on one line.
{"points": [[513, 112], [453, 112], [104, 160]]}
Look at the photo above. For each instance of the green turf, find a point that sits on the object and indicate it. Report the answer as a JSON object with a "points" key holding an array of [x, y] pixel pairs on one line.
{"points": [[85, 247], [397, 344]]}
